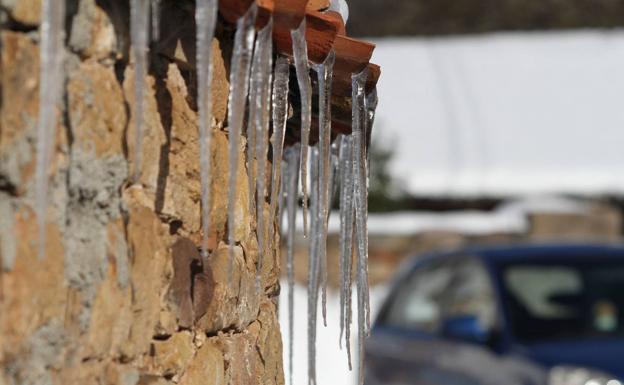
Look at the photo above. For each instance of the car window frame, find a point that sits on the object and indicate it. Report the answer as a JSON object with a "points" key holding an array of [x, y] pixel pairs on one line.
{"points": [[432, 262]]}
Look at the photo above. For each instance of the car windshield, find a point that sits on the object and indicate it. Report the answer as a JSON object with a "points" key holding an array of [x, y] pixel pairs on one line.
{"points": [[564, 300]]}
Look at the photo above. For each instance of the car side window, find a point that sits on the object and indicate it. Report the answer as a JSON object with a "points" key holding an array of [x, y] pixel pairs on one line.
{"points": [[416, 305], [442, 290], [470, 293]]}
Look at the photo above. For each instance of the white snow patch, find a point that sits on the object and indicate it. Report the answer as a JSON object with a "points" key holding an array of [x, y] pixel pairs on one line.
{"points": [[510, 114], [510, 217], [331, 361]]}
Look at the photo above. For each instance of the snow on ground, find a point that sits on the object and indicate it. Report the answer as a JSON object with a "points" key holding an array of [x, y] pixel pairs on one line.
{"points": [[331, 364], [510, 217], [504, 113]]}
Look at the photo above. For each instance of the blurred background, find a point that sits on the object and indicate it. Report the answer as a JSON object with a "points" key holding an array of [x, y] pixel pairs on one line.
{"points": [[499, 121]]}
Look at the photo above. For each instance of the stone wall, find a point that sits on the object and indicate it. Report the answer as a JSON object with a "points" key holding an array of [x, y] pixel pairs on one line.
{"points": [[121, 296]]}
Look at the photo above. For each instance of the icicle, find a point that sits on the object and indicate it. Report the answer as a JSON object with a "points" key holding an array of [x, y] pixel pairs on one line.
{"points": [[139, 30], [239, 86], [371, 108], [300, 53], [359, 172], [347, 215], [205, 16], [50, 88], [313, 265], [280, 115], [263, 79], [156, 20], [260, 78], [292, 181], [333, 173], [325, 76]]}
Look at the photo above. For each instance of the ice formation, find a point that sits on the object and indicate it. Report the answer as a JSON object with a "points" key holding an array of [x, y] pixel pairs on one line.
{"points": [[52, 77], [206, 16], [302, 67], [139, 33]]}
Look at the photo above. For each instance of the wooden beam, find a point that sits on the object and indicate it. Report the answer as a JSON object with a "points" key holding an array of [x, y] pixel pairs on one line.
{"points": [[321, 32]]}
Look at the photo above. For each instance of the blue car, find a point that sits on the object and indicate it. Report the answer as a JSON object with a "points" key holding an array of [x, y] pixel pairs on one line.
{"points": [[515, 315]]}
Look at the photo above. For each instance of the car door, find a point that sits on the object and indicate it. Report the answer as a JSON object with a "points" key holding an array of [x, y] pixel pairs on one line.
{"points": [[405, 347], [409, 344]]}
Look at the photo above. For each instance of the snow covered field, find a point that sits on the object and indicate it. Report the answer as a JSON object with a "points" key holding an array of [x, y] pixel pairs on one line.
{"points": [[331, 364], [504, 114]]}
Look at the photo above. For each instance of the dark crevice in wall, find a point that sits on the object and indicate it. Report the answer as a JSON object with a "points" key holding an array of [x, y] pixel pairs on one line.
{"points": [[10, 24]]}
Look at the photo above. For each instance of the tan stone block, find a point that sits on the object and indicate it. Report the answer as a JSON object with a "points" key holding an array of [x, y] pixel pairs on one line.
{"points": [[220, 188], [27, 12], [151, 271], [244, 364], [269, 342], [153, 149], [181, 187], [33, 291], [173, 355], [96, 108], [93, 33], [111, 316], [18, 112], [207, 367], [234, 302], [220, 81]]}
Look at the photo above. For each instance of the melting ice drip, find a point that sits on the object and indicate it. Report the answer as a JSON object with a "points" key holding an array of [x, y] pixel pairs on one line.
{"points": [[280, 115], [300, 53], [319, 210], [51, 75], [258, 131], [292, 159], [360, 183], [205, 16], [344, 160], [139, 32]]}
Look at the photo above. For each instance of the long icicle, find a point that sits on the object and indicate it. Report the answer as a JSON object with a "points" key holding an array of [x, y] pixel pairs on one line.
{"points": [[139, 31], [371, 107], [292, 181], [334, 184], [325, 76], [239, 86], [313, 266], [51, 83], [280, 115], [261, 106], [300, 53], [205, 16], [260, 76], [347, 214], [359, 116], [156, 19]]}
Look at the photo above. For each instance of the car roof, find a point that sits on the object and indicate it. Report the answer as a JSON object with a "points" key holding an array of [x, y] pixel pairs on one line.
{"points": [[495, 254]]}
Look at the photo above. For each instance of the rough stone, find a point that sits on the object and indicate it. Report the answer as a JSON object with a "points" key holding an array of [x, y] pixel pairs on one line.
{"points": [[27, 12], [20, 86], [173, 355], [93, 33], [122, 296], [207, 368]]}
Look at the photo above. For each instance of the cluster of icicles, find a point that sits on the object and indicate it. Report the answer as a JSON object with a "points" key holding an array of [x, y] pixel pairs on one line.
{"points": [[259, 87]]}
